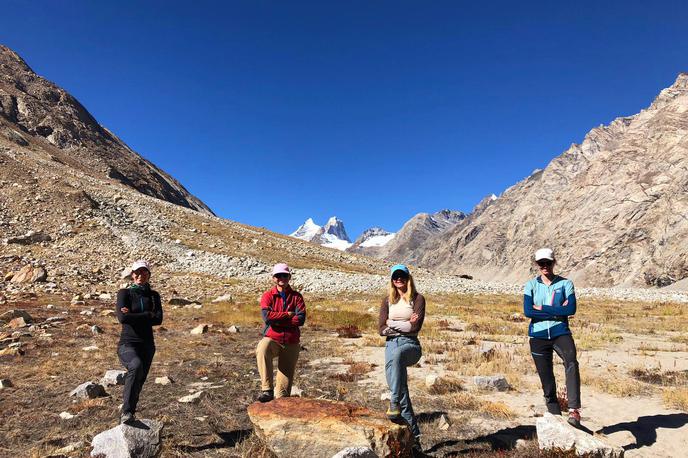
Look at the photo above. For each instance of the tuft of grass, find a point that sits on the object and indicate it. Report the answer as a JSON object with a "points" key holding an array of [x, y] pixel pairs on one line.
{"points": [[446, 385], [615, 384], [655, 376], [469, 402], [349, 331], [676, 398]]}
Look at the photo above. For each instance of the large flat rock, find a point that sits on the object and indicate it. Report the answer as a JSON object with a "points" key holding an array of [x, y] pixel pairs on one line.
{"points": [[296, 427], [555, 434]]}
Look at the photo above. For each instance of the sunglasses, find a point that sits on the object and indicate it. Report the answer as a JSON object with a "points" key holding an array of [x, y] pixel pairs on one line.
{"points": [[282, 276], [399, 278], [545, 263]]}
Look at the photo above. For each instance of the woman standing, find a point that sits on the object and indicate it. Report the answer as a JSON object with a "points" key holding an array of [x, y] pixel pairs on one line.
{"points": [[549, 300], [138, 309], [401, 316], [284, 311]]}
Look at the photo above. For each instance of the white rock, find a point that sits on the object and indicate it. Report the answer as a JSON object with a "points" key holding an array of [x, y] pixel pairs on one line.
{"points": [[113, 377], [66, 415], [96, 330], [163, 380], [233, 329], [223, 298], [491, 382], [5, 383], [296, 391], [88, 390], [431, 380], [200, 329], [140, 439], [193, 398], [386, 396], [443, 423], [555, 434], [105, 296], [71, 448], [90, 348], [355, 452]]}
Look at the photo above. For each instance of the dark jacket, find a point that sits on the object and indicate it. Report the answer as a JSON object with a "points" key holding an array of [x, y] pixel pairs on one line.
{"points": [[418, 304], [145, 311], [279, 326]]}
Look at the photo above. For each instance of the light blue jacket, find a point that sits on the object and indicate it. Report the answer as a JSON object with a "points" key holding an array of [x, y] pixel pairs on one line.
{"points": [[549, 307]]}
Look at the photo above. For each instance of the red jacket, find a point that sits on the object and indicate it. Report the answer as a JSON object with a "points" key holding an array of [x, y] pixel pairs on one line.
{"points": [[279, 326]]}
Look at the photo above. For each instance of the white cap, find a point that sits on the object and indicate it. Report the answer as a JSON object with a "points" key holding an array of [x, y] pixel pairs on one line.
{"points": [[140, 264], [544, 253], [281, 268]]}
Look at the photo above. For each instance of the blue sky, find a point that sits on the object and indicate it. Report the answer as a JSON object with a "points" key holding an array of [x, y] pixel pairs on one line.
{"points": [[272, 112]]}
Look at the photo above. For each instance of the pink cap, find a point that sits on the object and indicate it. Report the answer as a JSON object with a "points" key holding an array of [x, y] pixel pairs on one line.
{"points": [[280, 268]]}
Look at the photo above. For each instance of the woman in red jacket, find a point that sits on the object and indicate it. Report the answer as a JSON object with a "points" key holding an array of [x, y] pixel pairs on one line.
{"points": [[284, 311]]}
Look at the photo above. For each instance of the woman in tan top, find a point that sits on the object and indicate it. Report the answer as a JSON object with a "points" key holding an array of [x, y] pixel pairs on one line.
{"points": [[401, 316]]}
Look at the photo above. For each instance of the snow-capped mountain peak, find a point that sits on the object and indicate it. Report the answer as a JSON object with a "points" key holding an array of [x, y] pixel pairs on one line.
{"points": [[335, 226], [307, 230], [374, 237]]}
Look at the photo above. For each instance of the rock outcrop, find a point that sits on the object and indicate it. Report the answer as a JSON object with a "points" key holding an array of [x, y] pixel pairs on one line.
{"points": [[612, 207], [140, 439], [294, 427]]}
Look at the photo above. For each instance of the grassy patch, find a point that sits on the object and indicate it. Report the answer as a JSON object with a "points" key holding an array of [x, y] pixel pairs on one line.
{"points": [[676, 398]]}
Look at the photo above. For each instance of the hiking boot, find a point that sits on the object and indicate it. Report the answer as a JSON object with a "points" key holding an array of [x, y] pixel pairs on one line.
{"points": [[393, 411], [574, 418], [266, 396], [417, 448], [126, 418]]}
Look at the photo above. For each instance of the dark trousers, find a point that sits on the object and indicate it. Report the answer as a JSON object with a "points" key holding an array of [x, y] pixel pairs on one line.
{"points": [[137, 358], [542, 350]]}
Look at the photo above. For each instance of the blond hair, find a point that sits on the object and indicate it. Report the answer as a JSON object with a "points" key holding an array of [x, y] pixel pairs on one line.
{"points": [[394, 296]]}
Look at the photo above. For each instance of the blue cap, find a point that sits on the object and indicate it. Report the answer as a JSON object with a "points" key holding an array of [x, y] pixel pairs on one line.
{"points": [[401, 267]]}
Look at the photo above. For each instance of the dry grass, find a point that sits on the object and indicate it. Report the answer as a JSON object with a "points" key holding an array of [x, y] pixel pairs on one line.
{"points": [[676, 398], [510, 362], [615, 384], [445, 385], [469, 402], [656, 376]]}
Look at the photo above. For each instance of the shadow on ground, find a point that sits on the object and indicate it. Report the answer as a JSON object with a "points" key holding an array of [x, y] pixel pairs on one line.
{"points": [[644, 429], [227, 439]]}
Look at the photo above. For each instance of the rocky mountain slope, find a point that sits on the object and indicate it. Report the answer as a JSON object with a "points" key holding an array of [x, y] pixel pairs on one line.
{"points": [[331, 235], [613, 207], [32, 107]]}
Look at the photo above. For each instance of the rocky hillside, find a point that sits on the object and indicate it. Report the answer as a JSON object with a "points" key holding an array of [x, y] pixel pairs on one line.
{"points": [[613, 208], [415, 232], [37, 114]]}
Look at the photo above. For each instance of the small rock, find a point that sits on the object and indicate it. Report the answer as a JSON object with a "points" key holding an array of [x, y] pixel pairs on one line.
{"points": [[16, 313], [163, 380], [88, 390], [193, 398], [30, 274], [356, 452], [200, 329], [105, 297], [86, 313], [224, 298], [91, 348], [71, 448], [431, 380], [491, 382], [107, 312], [233, 329], [179, 301], [5, 383], [142, 439], [17, 323], [113, 377], [66, 415], [10, 351], [96, 330], [386, 396], [50, 306], [443, 423], [296, 391]]}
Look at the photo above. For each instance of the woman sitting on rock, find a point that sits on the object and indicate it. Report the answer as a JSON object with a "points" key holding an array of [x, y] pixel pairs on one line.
{"points": [[284, 311], [138, 309], [549, 300], [401, 316]]}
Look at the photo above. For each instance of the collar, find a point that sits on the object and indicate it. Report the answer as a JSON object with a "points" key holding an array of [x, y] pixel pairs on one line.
{"points": [[554, 280]]}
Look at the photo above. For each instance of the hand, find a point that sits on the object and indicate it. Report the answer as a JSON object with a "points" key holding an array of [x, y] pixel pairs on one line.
{"points": [[124, 310], [414, 318], [537, 307]]}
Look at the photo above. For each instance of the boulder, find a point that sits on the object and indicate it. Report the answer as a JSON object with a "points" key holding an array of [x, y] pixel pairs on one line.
{"points": [[491, 382], [555, 434], [317, 428], [30, 238], [17, 313], [113, 377], [179, 301], [30, 274], [200, 329], [141, 439], [17, 323], [88, 390]]}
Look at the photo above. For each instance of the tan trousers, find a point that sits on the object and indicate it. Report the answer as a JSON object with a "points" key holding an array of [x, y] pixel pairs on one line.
{"points": [[287, 356]]}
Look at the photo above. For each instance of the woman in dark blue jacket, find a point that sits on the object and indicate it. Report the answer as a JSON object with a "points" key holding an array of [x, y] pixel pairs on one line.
{"points": [[138, 309]]}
